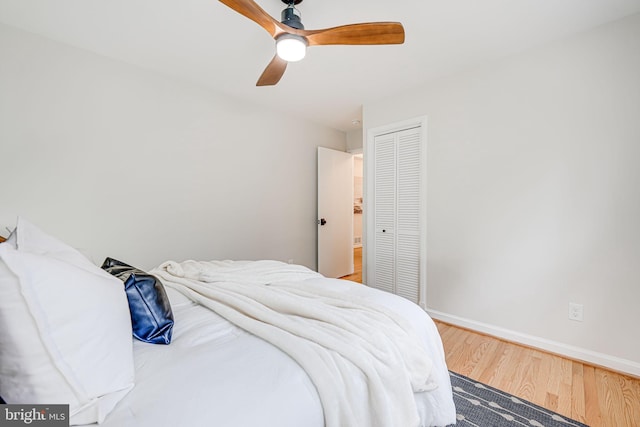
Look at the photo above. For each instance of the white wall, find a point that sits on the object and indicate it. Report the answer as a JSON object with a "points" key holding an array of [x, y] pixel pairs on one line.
{"points": [[119, 161], [354, 141], [534, 193]]}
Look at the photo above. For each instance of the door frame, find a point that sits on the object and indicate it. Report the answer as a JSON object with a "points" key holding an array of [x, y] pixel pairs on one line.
{"points": [[368, 225]]}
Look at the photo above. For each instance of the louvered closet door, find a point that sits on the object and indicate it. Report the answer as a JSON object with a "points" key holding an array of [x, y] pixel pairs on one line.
{"points": [[408, 215], [385, 212], [397, 210]]}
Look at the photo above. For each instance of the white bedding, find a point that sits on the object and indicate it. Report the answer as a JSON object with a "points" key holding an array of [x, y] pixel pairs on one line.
{"points": [[216, 374]]}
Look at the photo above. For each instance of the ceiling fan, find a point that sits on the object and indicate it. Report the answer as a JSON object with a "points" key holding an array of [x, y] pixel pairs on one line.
{"points": [[292, 39]]}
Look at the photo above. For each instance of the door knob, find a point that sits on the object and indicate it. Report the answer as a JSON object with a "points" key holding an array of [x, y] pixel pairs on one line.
{"points": [[322, 221]]}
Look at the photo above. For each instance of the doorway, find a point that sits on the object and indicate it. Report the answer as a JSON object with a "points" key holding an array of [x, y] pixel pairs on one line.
{"points": [[358, 191]]}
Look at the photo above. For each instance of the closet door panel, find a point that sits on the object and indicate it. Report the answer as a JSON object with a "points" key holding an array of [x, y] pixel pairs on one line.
{"points": [[385, 212], [408, 214]]}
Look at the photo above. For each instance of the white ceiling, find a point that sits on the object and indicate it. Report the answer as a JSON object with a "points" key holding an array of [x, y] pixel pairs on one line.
{"points": [[207, 43]]}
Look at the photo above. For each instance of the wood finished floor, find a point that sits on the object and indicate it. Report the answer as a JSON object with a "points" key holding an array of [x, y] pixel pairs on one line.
{"points": [[357, 266], [591, 395], [594, 396]]}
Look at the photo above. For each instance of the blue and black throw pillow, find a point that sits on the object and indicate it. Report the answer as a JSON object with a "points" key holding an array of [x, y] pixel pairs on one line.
{"points": [[151, 315]]}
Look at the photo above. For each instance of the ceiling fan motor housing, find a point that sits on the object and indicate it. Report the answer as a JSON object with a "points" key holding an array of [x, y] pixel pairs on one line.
{"points": [[291, 17]]}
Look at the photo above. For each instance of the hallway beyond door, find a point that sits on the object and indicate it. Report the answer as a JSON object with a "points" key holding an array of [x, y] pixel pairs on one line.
{"points": [[357, 266]]}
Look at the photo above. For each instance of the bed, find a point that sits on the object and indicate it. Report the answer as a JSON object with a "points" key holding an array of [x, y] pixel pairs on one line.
{"points": [[248, 343]]}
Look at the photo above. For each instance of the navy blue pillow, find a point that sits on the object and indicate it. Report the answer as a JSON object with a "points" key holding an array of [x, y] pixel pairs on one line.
{"points": [[151, 315]]}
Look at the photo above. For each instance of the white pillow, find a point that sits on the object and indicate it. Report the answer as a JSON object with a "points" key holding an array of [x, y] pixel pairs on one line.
{"points": [[65, 328], [29, 238]]}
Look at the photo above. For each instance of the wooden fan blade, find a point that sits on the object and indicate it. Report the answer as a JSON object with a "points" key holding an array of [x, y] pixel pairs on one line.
{"points": [[251, 10], [273, 73], [357, 34]]}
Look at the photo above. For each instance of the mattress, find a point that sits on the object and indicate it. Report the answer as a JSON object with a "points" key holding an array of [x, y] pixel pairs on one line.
{"points": [[216, 374]]}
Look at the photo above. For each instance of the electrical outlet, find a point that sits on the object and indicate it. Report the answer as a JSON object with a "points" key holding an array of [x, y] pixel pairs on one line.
{"points": [[576, 312]]}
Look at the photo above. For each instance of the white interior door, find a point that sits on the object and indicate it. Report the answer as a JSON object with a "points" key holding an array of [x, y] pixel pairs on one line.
{"points": [[335, 213]]}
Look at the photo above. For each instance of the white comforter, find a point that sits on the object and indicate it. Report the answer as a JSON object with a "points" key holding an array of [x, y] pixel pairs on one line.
{"points": [[313, 320]]}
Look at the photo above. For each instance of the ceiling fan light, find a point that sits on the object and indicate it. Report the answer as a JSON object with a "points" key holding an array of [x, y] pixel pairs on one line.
{"points": [[291, 47]]}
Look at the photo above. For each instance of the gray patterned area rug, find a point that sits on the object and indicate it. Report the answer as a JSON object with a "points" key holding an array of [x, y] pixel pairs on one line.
{"points": [[480, 405]]}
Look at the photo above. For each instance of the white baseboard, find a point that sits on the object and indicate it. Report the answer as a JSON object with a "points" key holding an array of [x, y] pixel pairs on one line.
{"points": [[572, 352]]}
